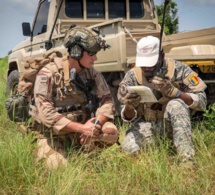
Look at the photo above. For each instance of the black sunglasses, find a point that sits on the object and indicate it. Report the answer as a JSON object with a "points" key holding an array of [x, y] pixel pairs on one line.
{"points": [[92, 53]]}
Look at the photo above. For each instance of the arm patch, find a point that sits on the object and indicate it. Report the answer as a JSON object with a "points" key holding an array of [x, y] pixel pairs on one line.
{"points": [[41, 85]]}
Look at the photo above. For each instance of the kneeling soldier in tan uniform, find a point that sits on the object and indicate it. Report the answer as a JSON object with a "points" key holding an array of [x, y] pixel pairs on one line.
{"points": [[181, 92], [73, 105]]}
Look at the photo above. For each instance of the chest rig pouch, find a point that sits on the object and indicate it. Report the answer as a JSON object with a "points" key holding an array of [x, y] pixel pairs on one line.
{"points": [[66, 100], [149, 110], [92, 101], [83, 103]]}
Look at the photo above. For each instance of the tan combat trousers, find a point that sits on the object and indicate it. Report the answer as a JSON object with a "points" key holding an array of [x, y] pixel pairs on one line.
{"points": [[54, 150]]}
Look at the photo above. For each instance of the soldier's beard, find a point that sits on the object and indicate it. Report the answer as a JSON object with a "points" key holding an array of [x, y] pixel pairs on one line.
{"points": [[149, 74]]}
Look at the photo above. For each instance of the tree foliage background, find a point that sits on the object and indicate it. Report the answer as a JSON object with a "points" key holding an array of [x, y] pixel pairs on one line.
{"points": [[171, 18]]}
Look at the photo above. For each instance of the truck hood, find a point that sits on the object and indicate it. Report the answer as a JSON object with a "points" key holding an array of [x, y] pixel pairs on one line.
{"points": [[21, 45]]}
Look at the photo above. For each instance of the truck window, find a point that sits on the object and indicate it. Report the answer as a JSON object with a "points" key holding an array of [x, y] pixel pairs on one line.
{"points": [[136, 9], [117, 8], [74, 8], [40, 25], [95, 9]]}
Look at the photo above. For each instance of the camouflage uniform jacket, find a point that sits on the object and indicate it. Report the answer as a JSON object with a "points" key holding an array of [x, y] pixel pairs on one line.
{"points": [[48, 103], [182, 75]]}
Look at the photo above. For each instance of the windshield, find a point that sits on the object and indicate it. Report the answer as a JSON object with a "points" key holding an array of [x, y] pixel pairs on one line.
{"points": [[40, 25]]}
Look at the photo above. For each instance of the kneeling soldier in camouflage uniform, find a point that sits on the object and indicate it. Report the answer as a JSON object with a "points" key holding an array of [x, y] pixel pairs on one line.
{"points": [[73, 105], [181, 91]]}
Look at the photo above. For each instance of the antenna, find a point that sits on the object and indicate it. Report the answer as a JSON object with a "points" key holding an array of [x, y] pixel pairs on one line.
{"points": [[161, 70], [48, 43], [166, 2]]}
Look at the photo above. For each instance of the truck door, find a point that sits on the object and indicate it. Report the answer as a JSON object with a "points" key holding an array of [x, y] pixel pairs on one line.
{"points": [[39, 30]]}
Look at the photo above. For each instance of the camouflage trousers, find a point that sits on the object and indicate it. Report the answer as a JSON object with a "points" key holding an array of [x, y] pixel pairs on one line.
{"points": [[54, 150], [176, 125]]}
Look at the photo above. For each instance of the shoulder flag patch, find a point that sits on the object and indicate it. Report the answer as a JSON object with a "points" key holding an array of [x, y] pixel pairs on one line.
{"points": [[193, 79]]}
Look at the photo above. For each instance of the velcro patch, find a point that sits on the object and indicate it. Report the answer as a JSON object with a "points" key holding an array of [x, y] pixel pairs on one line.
{"points": [[193, 79], [43, 79], [41, 85], [123, 90]]}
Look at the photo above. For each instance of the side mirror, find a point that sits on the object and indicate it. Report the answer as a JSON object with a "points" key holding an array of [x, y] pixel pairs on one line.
{"points": [[26, 29], [44, 29]]}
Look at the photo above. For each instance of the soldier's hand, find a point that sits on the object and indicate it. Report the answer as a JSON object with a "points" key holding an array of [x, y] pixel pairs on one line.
{"points": [[132, 100], [90, 129], [165, 86]]}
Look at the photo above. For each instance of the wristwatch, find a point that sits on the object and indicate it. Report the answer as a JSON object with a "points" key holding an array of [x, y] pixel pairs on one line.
{"points": [[97, 122], [178, 93]]}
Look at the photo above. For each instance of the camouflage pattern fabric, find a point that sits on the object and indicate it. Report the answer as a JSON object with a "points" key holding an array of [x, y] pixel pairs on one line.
{"points": [[47, 101], [175, 122], [176, 125], [89, 40], [50, 121], [54, 150]]}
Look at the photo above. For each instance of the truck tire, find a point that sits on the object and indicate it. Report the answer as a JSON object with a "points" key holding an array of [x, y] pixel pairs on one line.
{"points": [[12, 82]]}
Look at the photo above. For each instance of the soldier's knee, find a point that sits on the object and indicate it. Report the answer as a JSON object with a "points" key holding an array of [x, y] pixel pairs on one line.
{"points": [[175, 103], [110, 133], [107, 139], [175, 106], [110, 136], [129, 145]]}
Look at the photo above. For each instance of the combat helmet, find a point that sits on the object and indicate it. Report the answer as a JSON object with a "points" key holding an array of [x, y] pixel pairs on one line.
{"points": [[79, 39]]}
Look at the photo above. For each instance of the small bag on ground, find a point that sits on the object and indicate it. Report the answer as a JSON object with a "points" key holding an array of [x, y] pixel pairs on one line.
{"points": [[17, 107]]}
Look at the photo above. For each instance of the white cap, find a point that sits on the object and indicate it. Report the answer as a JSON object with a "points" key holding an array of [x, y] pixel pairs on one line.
{"points": [[147, 51]]}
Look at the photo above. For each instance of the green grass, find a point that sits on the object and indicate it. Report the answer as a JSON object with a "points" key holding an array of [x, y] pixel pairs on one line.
{"points": [[111, 172]]}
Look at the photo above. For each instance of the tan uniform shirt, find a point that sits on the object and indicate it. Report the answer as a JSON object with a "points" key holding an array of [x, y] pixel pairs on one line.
{"points": [[47, 102]]}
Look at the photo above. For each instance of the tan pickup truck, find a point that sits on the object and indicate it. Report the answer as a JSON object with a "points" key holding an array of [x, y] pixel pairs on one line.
{"points": [[123, 22]]}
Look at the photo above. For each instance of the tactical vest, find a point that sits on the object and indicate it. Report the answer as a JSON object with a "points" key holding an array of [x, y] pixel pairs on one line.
{"points": [[72, 96], [68, 99], [153, 111]]}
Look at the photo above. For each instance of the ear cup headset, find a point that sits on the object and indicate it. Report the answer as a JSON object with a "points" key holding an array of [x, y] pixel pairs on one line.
{"points": [[76, 52], [74, 48]]}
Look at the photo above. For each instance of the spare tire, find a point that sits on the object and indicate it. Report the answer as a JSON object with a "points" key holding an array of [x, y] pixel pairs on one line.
{"points": [[12, 82]]}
